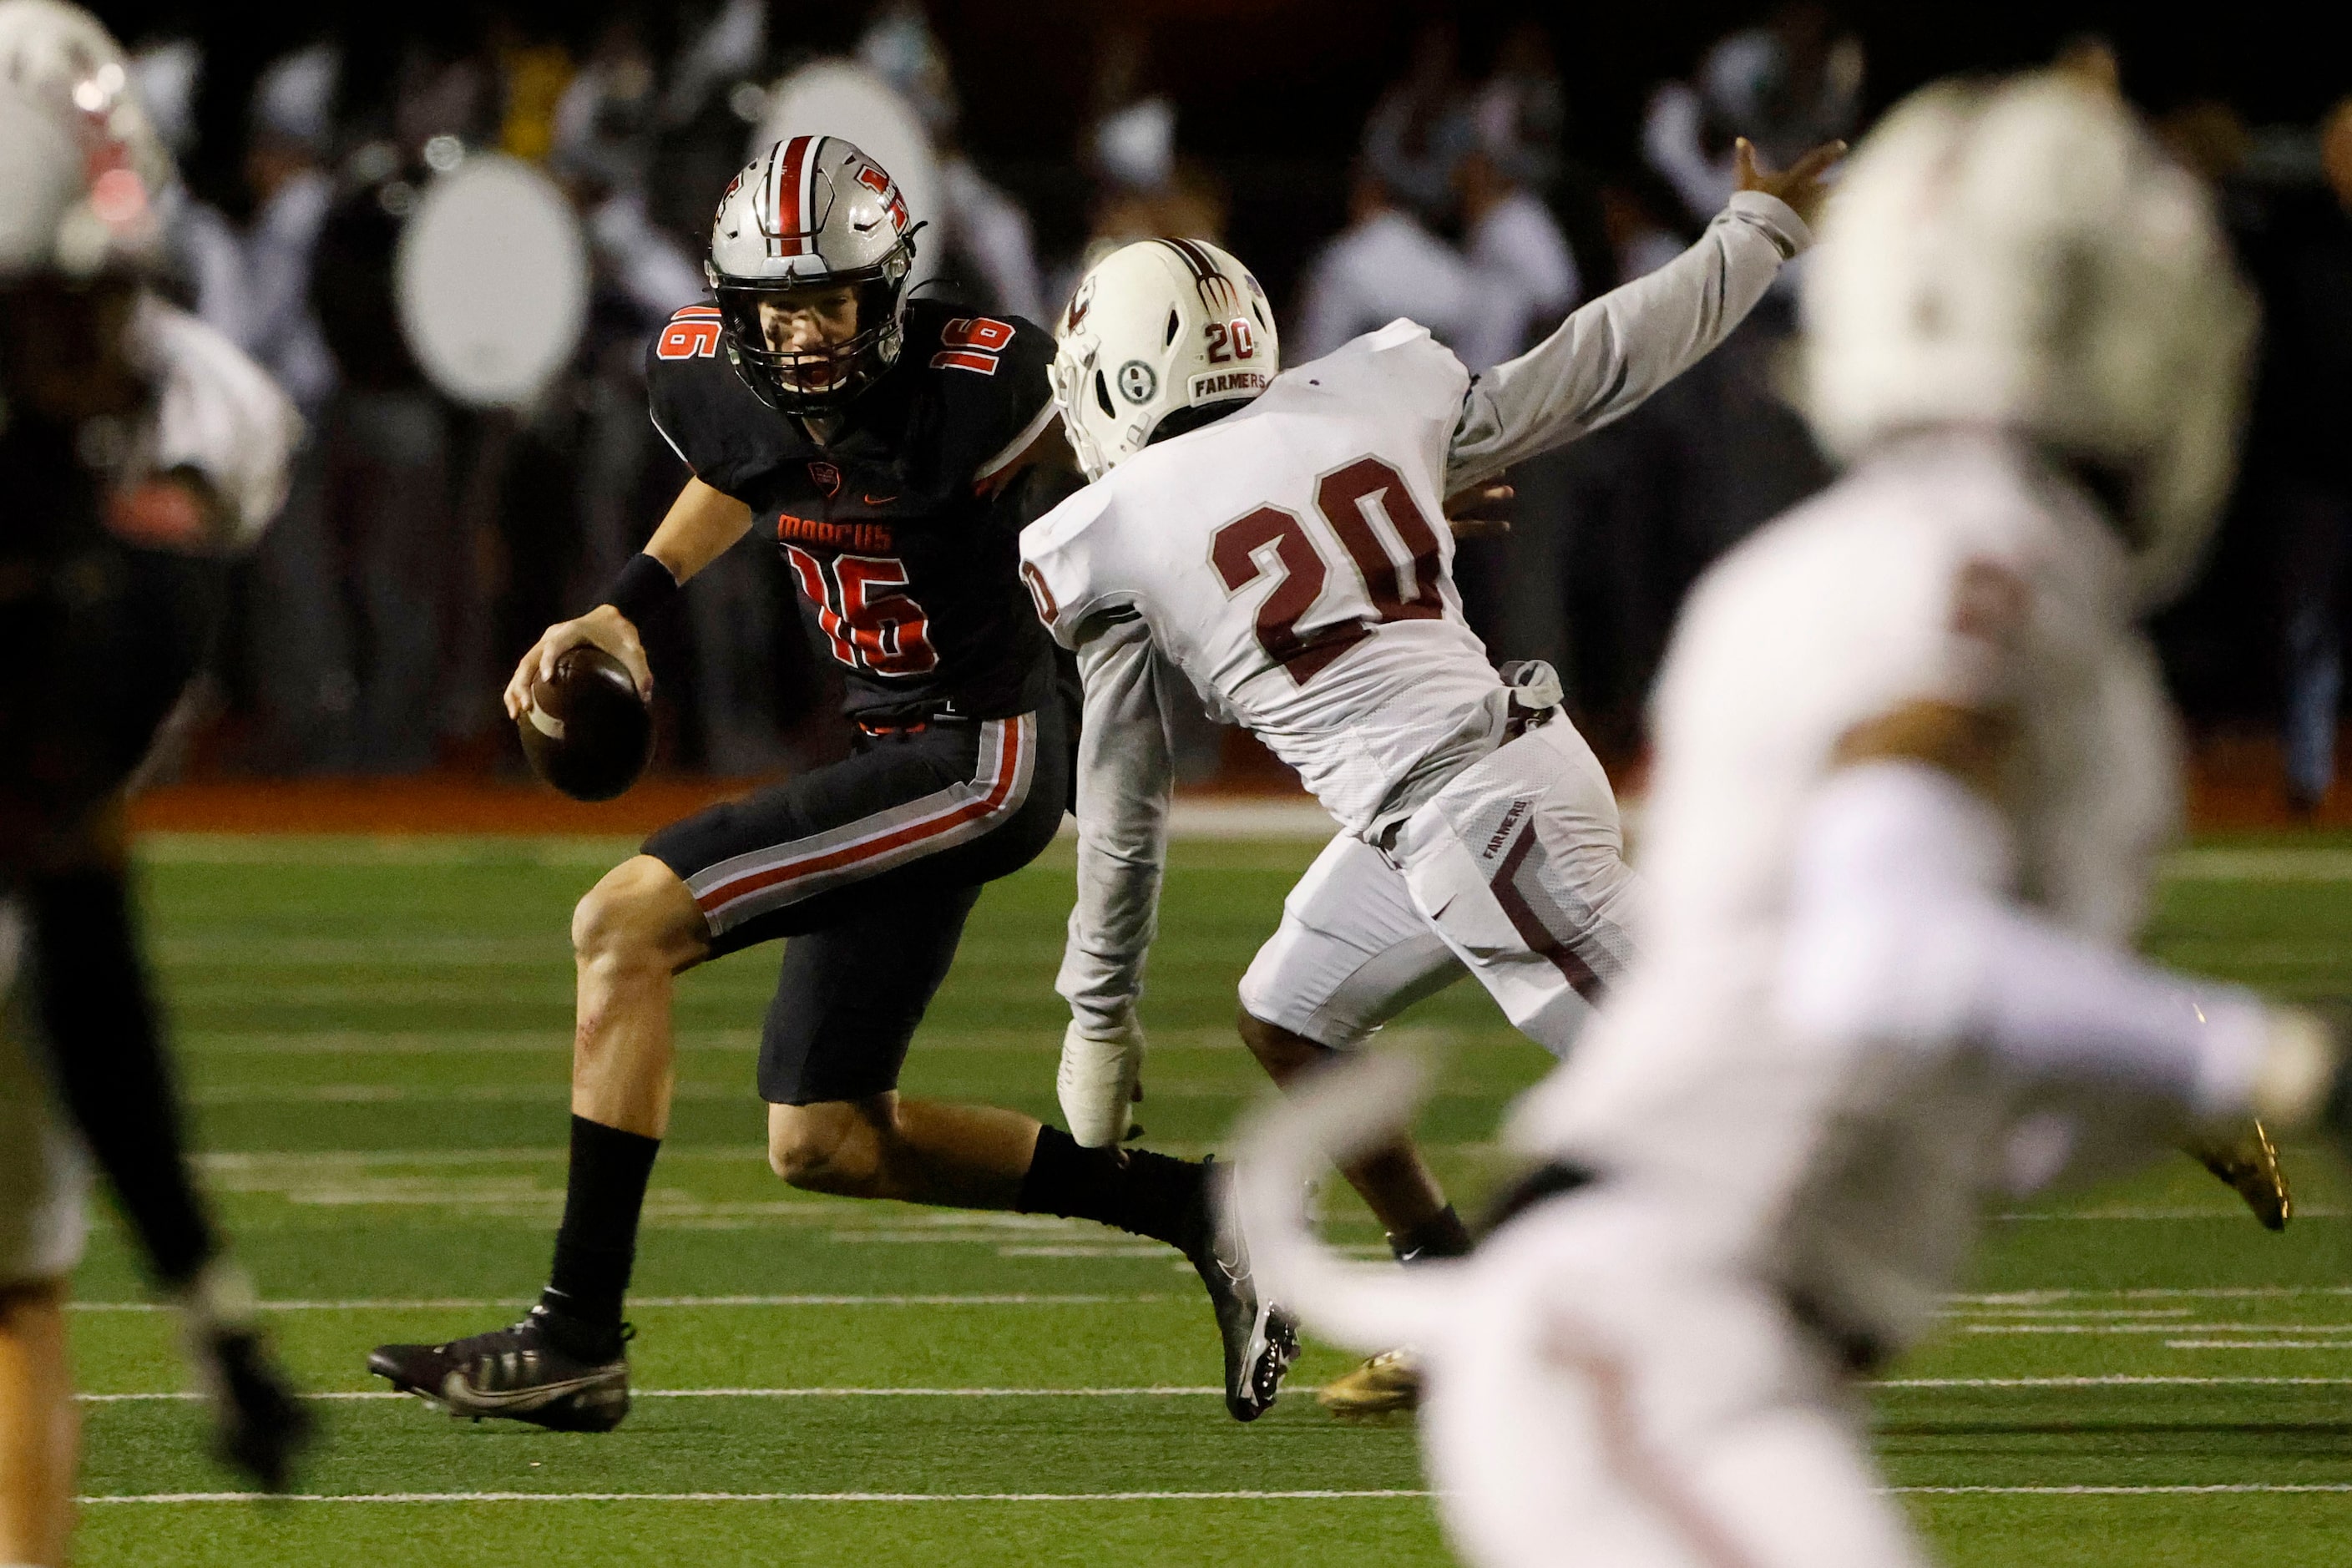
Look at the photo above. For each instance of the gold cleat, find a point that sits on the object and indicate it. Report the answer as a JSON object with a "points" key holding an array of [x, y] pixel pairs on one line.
{"points": [[2248, 1163], [1387, 1384]]}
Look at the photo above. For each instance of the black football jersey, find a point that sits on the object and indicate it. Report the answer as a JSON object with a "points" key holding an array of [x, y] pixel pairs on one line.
{"points": [[900, 532], [98, 637]]}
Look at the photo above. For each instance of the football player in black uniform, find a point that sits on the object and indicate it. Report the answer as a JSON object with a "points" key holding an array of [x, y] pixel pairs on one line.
{"points": [[886, 443], [138, 449]]}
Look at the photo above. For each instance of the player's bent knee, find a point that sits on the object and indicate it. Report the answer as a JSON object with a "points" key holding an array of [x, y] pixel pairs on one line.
{"points": [[828, 1147], [639, 911], [1283, 1054]]}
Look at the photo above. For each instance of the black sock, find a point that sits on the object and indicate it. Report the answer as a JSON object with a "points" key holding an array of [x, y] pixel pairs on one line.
{"points": [[598, 1242], [103, 1037], [1442, 1235], [1138, 1190]]}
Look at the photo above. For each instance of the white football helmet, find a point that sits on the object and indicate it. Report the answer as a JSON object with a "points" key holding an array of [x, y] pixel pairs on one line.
{"points": [[2023, 255], [811, 212], [59, 65], [1155, 331]]}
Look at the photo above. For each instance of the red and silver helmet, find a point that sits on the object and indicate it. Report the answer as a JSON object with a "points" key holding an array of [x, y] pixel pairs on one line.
{"points": [[76, 118], [812, 213]]}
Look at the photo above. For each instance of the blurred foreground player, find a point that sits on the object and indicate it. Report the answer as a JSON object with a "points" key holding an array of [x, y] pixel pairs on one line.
{"points": [[1914, 762], [889, 445], [1279, 538], [138, 449]]}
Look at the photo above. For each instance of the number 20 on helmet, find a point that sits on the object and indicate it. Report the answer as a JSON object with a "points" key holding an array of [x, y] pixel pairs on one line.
{"points": [[1159, 336]]}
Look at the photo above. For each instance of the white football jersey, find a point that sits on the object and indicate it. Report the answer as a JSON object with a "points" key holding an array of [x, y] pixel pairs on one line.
{"points": [[1957, 570], [1293, 558]]}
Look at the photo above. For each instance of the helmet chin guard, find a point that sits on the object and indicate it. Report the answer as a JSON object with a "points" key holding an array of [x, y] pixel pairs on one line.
{"points": [[1154, 329], [812, 213]]}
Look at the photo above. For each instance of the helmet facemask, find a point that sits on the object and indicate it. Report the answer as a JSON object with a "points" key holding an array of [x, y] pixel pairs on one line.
{"points": [[822, 378]]}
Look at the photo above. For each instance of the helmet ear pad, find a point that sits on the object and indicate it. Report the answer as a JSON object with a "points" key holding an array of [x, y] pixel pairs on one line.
{"points": [[1155, 329]]}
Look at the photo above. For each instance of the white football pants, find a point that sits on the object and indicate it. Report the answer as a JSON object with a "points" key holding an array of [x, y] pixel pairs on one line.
{"points": [[1515, 871], [1595, 1402]]}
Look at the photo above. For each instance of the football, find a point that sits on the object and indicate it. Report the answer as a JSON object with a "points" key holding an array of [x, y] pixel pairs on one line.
{"points": [[587, 731]]}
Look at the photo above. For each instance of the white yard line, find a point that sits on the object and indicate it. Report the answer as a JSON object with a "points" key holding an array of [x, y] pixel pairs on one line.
{"points": [[2281, 865], [2258, 1345], [492, 1303], [2065, 1312], [1302, 1496], [343, 1395], [302, 1161], [2157, 1328], [1372, 1493], [2112, 1380], [2217, 1212], [2143, 1293], [2122, 1491], [1159, 1391], [557, 1043]]}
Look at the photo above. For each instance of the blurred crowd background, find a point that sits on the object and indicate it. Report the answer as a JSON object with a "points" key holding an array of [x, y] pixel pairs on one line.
{"points": [[1480, 170]]}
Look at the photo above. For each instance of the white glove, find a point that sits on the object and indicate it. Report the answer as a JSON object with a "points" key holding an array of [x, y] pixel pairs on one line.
{"points": [[1099, 1081], [2296, 1076]]}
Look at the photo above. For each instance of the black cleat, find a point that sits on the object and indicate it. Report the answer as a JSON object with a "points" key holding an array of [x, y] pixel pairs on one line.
{"points": [[519, 1372], [1260, 1339], [259, 1424]]}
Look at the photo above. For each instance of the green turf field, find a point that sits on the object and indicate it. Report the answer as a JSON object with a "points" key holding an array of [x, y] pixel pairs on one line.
{"points": [[376, 1038]]}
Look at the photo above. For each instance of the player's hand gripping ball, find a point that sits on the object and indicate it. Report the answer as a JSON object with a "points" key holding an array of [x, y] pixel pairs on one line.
{"points": [[587, 731]]}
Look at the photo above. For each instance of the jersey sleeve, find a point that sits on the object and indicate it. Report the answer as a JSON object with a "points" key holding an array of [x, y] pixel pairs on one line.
{"points": [[1126, 778], [710, 419], [1608, 357]]}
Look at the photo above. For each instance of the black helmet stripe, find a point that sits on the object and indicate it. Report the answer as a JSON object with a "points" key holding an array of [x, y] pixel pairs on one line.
{"points": [[1216, 290], [1190, 254]]}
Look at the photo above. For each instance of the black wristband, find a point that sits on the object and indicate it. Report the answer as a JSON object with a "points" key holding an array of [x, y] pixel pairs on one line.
{"points": [[641, 589]]}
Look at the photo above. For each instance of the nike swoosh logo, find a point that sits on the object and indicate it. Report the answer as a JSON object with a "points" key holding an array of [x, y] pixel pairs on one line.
{"points": [[879, 501], [456, 1389]]}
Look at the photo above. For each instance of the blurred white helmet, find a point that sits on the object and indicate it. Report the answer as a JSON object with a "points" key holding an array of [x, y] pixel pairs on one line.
{"points": [[1155, 331], [40, 183], [811, 212], [59, 65], [2021, 256]]}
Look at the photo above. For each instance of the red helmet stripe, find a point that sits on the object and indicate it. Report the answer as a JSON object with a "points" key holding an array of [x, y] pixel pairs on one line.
{"points": [[787, 193]]}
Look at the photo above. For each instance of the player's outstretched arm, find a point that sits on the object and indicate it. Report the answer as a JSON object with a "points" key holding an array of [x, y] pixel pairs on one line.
{"points": [[703, 524], [1609, 355], [1904, 927]]}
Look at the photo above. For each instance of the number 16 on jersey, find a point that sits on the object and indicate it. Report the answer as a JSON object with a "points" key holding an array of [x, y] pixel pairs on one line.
{"points": [[871, 624]]}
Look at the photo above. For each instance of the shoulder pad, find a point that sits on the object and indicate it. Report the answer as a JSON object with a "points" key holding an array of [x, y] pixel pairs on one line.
{"points": [[714, 422], [219, 414], [1060, 555], [989, 373]]}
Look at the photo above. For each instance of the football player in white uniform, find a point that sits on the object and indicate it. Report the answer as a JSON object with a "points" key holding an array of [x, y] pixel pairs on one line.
{"points": [[1913, 762], [1280, 539]]}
